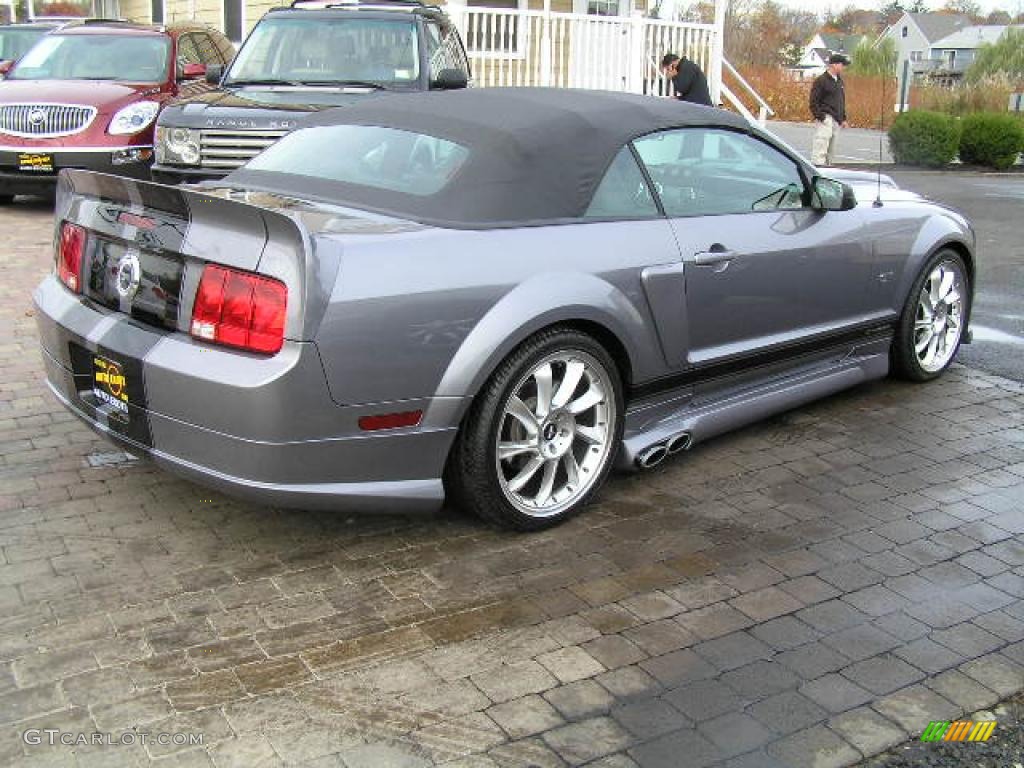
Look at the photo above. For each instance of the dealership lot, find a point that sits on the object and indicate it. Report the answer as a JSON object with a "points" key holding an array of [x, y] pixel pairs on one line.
{"points": [[804, 592]]}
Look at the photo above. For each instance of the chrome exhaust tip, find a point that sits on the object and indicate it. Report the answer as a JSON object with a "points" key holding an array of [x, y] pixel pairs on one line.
{"points": [[677, 443], [651, 457]]}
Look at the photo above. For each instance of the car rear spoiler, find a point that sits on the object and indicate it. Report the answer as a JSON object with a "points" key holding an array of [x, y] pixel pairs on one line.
{"points": [[203, 227]]}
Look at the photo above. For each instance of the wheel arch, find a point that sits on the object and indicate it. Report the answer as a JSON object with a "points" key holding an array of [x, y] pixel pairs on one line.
{"points": [[594, 307]]}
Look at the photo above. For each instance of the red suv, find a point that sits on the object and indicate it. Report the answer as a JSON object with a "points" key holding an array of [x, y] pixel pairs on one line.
{"points": [[87, 96]]}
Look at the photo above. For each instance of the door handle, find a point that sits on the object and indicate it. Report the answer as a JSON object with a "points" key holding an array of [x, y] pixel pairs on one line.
{"points": [[712, 258]]}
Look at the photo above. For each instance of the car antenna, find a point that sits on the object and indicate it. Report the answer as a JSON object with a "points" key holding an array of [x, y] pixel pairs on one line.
{"points": [[881, 133]]}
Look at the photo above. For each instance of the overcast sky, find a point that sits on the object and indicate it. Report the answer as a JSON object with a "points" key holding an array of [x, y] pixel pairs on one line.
{"points": [[819, 6]]}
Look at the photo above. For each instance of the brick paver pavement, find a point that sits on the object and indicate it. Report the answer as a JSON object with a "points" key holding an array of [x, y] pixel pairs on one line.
{"points": [[803, 592]]}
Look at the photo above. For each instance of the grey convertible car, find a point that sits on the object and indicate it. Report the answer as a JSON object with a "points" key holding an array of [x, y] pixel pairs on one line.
{"points": [[498, 293]]}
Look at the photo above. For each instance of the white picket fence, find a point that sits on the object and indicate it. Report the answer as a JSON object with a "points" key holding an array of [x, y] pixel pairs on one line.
{"points": [[509, 47]]}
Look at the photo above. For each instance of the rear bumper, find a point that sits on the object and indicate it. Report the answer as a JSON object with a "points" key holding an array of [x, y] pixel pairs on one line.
{"points": [[15, 182], [264, 429]]}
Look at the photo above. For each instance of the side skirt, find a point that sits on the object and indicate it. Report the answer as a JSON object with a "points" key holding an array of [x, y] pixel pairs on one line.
{"points": [[708, 418]]}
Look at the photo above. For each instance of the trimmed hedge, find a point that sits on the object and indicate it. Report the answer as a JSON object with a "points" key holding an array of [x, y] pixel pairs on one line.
{"points": [[991, 139], [924, 138]]}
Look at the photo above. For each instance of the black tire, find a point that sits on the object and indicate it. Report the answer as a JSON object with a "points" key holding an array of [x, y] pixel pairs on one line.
{"points": [[473, 469], [6, 199], [903, 356]]}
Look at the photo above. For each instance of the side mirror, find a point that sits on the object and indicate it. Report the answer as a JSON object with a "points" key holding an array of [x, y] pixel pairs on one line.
{"points": [[193, 71], [832, 195], [5, 67], [213, 74], [450, 80]]}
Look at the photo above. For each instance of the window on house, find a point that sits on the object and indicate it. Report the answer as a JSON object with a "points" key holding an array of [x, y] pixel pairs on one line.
{"points": [[234, 20], [905, 32], [603, 7], [916, 55]]}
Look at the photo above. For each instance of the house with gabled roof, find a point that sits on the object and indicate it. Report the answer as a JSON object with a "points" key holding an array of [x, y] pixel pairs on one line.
{"points": [[914, 34], [951, 56], [821, 46]]}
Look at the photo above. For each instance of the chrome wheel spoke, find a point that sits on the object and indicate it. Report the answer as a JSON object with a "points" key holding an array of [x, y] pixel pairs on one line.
{"points": [[925, 340], [518, 410], [572, 471], [946, 283], [574, 371], [933, 345], [543, 376], [547, 483], [527, 472], [509, 449], [586, 401], [590, 435], [934, 281]]}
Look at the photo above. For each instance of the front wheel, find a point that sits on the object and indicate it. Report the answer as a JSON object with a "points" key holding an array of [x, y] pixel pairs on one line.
{"points": [[932, 323], [540, 438]]}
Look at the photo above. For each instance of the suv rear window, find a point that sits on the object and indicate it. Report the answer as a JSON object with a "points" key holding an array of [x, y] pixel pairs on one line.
{"points": [[384, 158], [321, 50], [133, 59]]}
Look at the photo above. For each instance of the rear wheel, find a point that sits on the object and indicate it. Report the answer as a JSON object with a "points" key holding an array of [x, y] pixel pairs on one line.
{"points": [[931, 327], [540, 438]]}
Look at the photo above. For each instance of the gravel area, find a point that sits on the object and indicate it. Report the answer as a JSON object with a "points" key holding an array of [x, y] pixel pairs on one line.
{"points": [[1005, 748]]}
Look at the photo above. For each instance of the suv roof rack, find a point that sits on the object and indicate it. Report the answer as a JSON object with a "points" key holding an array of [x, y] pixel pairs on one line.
{"points": [[413, 5]]}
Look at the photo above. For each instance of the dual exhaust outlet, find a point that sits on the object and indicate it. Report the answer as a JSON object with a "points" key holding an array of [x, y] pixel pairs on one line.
{"points": [[653, 455]]}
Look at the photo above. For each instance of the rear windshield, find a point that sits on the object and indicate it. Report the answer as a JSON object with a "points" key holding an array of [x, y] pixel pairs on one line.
{"points": [[321, 50], [382, 158], [134, 59], [15, 42]]}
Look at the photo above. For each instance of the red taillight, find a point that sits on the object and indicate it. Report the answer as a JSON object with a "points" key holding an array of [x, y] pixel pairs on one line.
{"points": [[240, 309], [69, 255]]}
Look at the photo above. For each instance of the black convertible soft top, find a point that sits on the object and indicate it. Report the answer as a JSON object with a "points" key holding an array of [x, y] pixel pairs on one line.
{"points": [[536, 154]]}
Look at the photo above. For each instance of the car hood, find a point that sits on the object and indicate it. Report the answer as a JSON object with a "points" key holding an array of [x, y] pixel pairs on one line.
{"points": [[259, 107], [107, 97]]}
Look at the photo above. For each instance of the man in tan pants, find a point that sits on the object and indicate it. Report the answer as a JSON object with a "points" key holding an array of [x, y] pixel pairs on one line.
{"points": [[828, 105]]}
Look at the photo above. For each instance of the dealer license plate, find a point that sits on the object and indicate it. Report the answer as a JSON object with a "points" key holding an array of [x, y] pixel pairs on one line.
{"points": [[110, 386], [35, 162]]}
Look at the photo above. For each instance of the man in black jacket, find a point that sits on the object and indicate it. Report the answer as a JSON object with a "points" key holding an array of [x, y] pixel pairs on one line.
{"points": [[686, 77], [828, 105]]}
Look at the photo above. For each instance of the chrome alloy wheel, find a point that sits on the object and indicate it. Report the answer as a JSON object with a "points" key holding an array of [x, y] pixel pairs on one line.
{"points": [[939, 319], [555, 433]]}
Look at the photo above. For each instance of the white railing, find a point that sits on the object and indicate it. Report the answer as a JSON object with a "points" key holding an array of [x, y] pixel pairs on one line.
{"points": [[567, 50], [763, 110], [508, 47]]}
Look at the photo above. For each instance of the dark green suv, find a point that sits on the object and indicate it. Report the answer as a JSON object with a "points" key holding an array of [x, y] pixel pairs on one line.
{"points": [[299, 60]]}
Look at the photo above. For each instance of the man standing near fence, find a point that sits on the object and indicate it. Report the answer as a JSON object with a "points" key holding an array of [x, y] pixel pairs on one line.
{"points": [[687, 79], [828, 105]]}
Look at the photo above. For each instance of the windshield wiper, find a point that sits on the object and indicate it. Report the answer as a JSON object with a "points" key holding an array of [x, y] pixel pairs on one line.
{"points": [[348, 84], [266, 81]]}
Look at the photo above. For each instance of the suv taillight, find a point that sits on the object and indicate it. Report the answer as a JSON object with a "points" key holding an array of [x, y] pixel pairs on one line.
{"points": [[240, 309], [69, 255]]}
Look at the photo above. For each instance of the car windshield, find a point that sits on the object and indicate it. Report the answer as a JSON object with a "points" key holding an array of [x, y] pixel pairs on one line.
{"points": [[384, 158], [131, 58], [16, 41], [328, 51]]}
